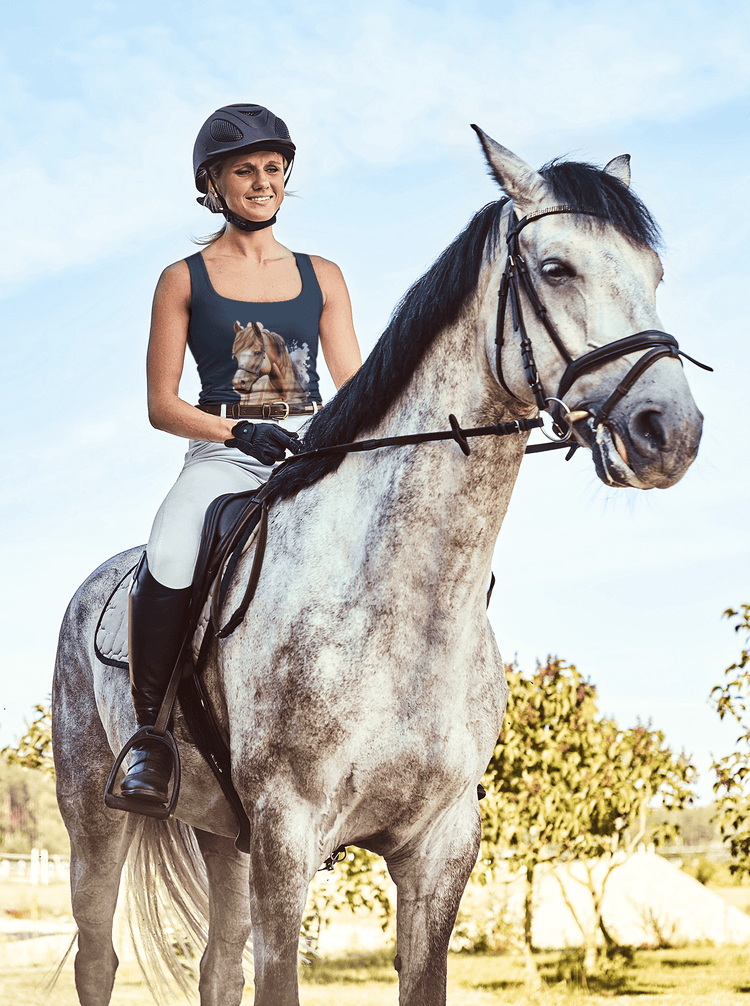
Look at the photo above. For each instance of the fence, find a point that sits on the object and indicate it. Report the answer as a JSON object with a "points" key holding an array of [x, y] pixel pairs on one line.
{"points": [[36, 869]]}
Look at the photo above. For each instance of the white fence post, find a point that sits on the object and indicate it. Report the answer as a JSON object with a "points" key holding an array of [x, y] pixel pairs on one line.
{"points": [[44, 869], [34, 867]]}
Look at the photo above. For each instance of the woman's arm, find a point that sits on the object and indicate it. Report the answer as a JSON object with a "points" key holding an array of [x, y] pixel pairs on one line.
{"points": [[170, 317], [337, 337]]}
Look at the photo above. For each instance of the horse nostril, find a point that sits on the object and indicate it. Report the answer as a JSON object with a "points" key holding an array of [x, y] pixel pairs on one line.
{"points": [[648, 426]]}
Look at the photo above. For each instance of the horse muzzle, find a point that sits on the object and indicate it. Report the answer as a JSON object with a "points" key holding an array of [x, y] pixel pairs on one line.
{"points": [[644, 444]]}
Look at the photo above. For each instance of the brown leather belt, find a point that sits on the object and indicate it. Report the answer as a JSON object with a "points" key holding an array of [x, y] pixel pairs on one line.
{"points": [[269, 410]]}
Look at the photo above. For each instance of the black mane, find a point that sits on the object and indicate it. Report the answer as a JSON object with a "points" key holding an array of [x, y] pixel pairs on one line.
{"points": [[434, 302]]}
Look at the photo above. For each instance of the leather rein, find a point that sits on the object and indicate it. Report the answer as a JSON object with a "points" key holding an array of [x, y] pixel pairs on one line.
{"points": [[514, 279]]}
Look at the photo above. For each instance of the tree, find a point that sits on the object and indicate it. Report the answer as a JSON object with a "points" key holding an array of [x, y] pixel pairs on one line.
{"points": [[34, 750], [567, 785], [359, 879], [29, 815], [731, 786]]}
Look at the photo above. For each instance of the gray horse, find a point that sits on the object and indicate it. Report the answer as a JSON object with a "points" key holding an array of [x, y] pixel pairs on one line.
{"points": [[363, 694]]}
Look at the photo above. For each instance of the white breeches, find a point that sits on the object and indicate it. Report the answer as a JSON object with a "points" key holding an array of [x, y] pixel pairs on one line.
{"points": [[210, 470]]}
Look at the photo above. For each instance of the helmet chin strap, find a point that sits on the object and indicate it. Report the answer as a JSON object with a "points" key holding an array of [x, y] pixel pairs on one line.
{"points": [[246, 225], [230, 216]]}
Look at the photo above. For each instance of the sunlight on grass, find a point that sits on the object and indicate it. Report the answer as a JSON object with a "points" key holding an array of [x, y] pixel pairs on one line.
{"points": [[689, 976]]}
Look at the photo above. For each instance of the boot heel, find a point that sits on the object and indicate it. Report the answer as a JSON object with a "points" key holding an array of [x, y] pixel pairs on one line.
{"points": [[137, 805]]}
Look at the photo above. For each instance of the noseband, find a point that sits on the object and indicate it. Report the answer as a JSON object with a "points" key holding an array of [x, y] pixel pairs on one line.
{"points": [[516, 277]]}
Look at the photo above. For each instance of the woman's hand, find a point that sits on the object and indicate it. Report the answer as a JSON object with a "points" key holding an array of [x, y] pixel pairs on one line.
{"points": [[264, 441]]}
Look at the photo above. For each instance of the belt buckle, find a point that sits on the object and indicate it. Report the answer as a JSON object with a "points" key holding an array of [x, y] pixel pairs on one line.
{"points": [[286, 413]]}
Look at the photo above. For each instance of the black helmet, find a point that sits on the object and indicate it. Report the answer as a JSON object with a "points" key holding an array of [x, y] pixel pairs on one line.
{"points": [[234, 129]]}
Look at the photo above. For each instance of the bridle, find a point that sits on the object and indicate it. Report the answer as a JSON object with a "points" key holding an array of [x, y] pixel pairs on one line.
{"points": [[515, 278]]}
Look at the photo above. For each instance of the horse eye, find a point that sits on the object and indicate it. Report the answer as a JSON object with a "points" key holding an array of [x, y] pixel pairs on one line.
{"points": [[556, 270]]}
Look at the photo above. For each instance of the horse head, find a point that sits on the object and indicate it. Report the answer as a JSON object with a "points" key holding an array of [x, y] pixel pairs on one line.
{"points": [[570, 325], [249, 350]]}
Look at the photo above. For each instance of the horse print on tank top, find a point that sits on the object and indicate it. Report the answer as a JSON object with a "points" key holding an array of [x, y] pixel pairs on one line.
{"points": [[267, 369]]}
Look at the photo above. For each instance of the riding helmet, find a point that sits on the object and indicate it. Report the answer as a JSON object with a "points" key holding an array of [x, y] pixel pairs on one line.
{"points": [[234, 129]]}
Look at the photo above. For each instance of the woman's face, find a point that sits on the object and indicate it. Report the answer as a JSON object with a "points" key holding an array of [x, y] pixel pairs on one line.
{"points": [[252, 184]]}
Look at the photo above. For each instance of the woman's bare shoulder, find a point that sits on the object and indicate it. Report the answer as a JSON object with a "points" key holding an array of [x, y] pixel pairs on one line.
{"points": [[328, 275], [174, 281]]}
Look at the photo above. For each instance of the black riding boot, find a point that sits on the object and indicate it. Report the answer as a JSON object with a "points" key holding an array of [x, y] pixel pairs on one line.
{"points": [[157, 622]]}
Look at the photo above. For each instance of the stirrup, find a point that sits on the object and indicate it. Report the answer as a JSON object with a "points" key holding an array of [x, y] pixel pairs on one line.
{"points": [[133, 803]]}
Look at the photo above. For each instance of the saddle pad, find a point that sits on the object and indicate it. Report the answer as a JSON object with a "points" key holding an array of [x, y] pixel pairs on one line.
{"points": [[111, 638]]}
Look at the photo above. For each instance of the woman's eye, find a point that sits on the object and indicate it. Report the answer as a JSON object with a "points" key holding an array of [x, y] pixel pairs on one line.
{"points": [[556, 270]]}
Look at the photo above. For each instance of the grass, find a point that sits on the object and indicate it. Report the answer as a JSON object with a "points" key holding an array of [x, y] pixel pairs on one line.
{"points": [[690, 976]]}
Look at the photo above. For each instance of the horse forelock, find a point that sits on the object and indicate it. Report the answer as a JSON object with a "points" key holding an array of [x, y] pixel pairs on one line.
{"points": [[592, 190]]}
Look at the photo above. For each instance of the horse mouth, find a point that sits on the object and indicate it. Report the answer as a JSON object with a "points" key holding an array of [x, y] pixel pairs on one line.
{"points": [[611, 460]]}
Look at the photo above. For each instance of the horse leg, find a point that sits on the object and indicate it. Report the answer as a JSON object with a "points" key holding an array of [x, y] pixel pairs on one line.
{"points": [[99, 843], [284, 859], [222, 978], [430, 877]]}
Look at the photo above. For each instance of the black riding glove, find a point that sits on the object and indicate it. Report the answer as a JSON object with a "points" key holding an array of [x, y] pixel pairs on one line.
{"points": [[264, 441]]}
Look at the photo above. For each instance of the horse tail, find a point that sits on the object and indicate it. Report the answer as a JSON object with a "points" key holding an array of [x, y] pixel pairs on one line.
{"points": [[167, 904]]}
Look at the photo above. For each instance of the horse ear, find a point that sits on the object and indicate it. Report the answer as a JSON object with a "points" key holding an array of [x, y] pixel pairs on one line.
{"points": [[237, 327], [619, 168], [525, 186]]}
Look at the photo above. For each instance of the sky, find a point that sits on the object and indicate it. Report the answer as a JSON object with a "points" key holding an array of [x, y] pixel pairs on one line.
{"points": [[101, 105]]}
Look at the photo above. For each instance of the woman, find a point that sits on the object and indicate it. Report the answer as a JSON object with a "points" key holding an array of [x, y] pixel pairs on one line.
{"points": [[253, 314]]}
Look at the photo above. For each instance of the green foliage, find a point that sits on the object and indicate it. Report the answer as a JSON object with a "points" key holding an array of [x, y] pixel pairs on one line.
{"points": [[34, 750], [359, 881], [486, 929], [697, 825], [29, 816], [565, 783], [731, 786]]}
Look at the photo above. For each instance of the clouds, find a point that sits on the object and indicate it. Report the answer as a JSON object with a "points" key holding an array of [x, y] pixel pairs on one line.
{"points": [[102, 109], [101, 105]]}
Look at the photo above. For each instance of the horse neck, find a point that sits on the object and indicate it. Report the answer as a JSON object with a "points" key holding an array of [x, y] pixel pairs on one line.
{"points": [[444, 507]]}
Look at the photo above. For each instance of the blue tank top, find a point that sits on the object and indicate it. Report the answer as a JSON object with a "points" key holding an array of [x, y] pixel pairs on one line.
{"points": [[252, 353]]}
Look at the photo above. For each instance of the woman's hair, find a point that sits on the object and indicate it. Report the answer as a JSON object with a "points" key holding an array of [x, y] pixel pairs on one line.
{"points": [[211, 174]]}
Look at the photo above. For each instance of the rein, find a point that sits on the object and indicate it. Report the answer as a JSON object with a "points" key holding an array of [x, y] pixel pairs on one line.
{"points": [[238, 539], [515, 278]]}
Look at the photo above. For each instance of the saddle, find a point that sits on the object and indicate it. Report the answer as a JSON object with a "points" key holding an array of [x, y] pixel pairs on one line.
{"points": [[229, 523]]}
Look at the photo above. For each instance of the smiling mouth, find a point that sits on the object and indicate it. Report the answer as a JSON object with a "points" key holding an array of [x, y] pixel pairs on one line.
{"points": [[259, 199]]}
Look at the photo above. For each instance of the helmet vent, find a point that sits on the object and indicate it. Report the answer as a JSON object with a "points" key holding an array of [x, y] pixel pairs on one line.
{"points": [[281, 130], [224, 131], [256, 111]]}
